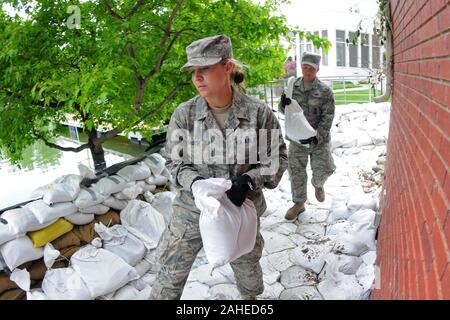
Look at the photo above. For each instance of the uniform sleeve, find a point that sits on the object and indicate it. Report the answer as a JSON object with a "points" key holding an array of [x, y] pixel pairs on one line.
{"points": [[182, 171], [325, 123], [273, 163]]}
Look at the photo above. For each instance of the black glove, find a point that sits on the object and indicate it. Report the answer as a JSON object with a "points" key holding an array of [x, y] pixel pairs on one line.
{"points": [[197, 178], [239, 189], [312, 140], [284, 102]]}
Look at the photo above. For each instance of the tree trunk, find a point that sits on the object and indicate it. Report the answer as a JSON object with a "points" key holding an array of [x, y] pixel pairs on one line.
{"points": [[97, 152]]}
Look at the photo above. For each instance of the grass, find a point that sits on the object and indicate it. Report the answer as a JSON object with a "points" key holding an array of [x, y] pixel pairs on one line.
{"points": [[358, 96], [348, 85]]}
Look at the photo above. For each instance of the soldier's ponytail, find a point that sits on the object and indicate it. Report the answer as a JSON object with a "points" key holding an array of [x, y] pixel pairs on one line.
{"points": [[238, 76]]}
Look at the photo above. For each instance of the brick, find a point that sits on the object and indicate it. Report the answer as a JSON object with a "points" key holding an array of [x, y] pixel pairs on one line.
{"points": [[445, 281], [441, 253]]}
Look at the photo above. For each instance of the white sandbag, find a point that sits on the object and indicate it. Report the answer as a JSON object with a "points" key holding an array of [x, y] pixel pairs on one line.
{"points": [[141, 219], [343, 140], [2, 263], [134, 172], [115, 204], [362, 202], [351, 244], [343, 263], [365, 217], [157, 180], [145, 186], [339, 213], [311, 254], [21, 277], [129, 193], [89, 197], [118, 240], [7, 233], [79, 218], [63, 189], [111, 184], [348, 288], [365, 234], [50, 255], [352, 151], [156, 163], [366, 276], [227, 231], [102, 271], [65, 284], [46, 213], [297, 126], [364, 139], [130, 293], [162, 202], [22, 220], [98, 209], [85, 172], [339, 227], [142, 267], [18, 251], [36, 294], [377, 137]]}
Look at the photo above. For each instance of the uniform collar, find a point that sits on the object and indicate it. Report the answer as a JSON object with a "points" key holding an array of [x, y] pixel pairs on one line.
{"points": [[237, 108], [299, 83]]}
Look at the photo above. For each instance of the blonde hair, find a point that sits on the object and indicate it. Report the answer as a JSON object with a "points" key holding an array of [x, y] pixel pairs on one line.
{"points": [[237, 75]]}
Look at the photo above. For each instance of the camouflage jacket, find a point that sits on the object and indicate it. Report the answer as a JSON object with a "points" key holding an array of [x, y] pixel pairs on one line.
{"points": [[318, 106], [190, 129]]}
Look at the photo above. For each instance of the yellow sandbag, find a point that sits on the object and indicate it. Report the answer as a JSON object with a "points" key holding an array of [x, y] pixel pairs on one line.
{"points": [[41, 237]]}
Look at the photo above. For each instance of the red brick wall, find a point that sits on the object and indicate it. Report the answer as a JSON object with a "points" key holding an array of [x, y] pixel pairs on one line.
{"points": [[414, 235]]}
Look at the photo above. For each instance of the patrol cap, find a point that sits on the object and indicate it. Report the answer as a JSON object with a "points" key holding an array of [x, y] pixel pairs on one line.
{"points": [[313, 59], [207, 52]]}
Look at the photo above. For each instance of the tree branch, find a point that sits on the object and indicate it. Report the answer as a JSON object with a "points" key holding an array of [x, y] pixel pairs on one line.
{"points": [[117, 16], [56, 146], [136, 7], [111, 12], [159, 107], [163, 53], [114, 132], [106, 136]]}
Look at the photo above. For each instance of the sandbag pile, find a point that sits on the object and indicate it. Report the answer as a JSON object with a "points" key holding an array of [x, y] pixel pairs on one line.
{"points": [[348, 272], [358, 128], [83, 226]]}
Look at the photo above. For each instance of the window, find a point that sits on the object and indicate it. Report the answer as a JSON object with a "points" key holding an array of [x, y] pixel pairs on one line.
{"points": [[324, 55], [340, 48], [302, 47], [376, 52], [353, 50], [365, 51]]}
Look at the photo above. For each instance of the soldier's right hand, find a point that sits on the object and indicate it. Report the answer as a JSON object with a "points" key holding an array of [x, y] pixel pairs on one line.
{"points": [[284, 100]]}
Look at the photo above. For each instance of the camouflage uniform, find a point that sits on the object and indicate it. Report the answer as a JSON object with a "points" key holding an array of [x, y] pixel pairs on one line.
{"points": [[318, 106], [181, 241]]}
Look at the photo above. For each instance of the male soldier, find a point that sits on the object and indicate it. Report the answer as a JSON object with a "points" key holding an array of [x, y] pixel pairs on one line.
{"points": [[317, 102], [219, 106]]}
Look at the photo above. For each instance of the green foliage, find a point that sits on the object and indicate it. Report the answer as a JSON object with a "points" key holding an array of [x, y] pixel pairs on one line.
{"points": [[51, 73]]}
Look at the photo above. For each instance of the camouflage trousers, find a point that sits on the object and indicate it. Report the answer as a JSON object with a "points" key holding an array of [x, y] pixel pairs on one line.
{"points": [[322, 166], [178, 248]]}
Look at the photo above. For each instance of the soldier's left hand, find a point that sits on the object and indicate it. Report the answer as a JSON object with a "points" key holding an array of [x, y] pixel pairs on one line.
{"points": [[239, 189]]}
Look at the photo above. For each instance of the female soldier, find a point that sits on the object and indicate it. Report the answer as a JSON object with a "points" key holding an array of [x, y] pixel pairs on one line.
{"points": [[222, 108]]}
